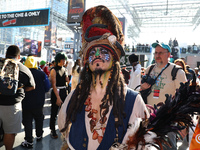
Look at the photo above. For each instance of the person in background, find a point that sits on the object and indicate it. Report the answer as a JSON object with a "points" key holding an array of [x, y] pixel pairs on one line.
{"points": [[44, 67], [59, 93], [135, 75], [197, 73], [142, 71], [181, 63], [32, 104], [196, 70], [10, 106], [125, 73], [164, 83], [52, 64], [23, 60], [189, 69], [75, 74], [170, 42], [69, 69], [171, 59], [97, 113]]}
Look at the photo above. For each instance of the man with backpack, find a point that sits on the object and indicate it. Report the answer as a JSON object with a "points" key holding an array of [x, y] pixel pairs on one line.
{"points": [[10, 106], [161, 79]]}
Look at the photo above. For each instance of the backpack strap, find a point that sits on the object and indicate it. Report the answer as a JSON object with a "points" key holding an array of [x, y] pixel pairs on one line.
{"points": [[150, 69], [147, 74], [174, 72]]}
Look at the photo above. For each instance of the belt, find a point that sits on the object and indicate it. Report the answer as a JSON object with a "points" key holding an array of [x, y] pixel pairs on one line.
{"points": [[61, 87]]}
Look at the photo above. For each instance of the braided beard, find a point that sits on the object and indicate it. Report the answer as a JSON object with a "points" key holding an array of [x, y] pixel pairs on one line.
{"points": [[98, 72]]}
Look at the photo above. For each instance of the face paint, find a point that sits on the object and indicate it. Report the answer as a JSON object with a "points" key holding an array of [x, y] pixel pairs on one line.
{"points": [[90, 59], [99, 53], [107, 57]]}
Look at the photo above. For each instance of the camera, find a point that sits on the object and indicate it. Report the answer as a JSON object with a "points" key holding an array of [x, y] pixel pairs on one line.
{"points": [[148, 80]]}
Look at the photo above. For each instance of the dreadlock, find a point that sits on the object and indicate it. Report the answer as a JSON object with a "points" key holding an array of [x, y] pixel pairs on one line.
{"points": [[114, 95]]}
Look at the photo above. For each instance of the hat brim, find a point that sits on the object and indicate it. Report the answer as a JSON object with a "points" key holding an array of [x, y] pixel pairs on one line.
{"points": [[154, 45], [116, 49]]}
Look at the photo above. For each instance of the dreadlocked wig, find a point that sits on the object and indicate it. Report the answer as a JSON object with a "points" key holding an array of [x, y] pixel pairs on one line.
{"points": [[100, 28], [114, 95]]}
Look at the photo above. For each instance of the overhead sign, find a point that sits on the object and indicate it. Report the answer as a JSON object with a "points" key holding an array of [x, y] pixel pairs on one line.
{"points": [[50, 35], [123, 23], [37, 17], [76, 10]]}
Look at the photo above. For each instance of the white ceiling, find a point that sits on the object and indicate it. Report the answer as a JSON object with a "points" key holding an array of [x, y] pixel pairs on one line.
{"points": [[156, 17]]}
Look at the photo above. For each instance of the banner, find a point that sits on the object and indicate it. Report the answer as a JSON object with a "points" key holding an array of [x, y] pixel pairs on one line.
{"points": [[37, 17], [76, 10], [32, 47], [123, 23], [50, 35], [53, 34], [47, 35]]}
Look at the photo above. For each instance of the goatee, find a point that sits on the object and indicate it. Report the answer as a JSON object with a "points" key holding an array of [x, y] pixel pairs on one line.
{"points": [[98, 72]]}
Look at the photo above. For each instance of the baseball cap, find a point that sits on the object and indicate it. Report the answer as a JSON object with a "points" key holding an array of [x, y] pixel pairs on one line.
{"points": [[165, 46]]}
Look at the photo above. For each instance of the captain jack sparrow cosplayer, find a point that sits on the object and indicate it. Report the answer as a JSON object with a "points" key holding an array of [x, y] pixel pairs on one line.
{"points": [[97, 113]]}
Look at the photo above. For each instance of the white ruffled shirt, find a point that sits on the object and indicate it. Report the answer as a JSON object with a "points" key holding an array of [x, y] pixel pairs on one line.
{"points": [[138, 112]]}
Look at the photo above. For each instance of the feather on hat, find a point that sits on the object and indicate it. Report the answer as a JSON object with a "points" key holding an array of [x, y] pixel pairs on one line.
{"points": [[100, 27]]}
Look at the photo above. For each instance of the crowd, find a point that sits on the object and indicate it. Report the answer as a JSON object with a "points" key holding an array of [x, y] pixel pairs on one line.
{"points": [[35, 79], [99, 100]]}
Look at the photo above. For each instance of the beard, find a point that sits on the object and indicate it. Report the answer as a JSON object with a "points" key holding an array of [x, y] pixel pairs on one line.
{"points": [[98, 72], [159, 62]]}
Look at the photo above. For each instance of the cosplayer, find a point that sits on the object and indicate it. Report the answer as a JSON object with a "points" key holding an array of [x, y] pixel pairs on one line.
{"points": [[97, 113]]}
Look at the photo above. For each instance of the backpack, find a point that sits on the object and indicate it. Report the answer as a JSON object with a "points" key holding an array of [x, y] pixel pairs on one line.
{"points": [[173, 72], [9, 73]]}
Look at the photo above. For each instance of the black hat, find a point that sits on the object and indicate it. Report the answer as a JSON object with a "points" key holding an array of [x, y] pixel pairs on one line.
{"points": [[133, 58]]}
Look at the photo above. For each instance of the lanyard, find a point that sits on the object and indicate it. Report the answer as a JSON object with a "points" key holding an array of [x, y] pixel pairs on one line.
{"points": [[158, 77]]}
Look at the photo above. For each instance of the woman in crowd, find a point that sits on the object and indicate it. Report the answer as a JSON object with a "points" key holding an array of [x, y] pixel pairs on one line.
{"points": [[59, 93], [181, 63], [75, 74]]}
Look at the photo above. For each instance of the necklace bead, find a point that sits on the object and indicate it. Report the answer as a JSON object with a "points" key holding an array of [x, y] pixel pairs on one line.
{"points": [[94, 123]]}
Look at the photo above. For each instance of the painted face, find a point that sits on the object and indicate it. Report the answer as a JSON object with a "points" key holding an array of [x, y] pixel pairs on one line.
{"points": [[100, 58], [161, 56]]}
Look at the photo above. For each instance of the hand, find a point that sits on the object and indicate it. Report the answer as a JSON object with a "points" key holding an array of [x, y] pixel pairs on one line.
{"points": [[59, 102], [145, 86]]}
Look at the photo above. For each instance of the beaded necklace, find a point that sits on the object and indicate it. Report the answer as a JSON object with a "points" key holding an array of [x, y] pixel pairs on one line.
{"points": [[94, 123]]}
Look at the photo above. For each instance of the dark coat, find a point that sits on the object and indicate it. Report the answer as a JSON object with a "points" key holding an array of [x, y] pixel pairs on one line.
{"points": [[35, 98]]}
